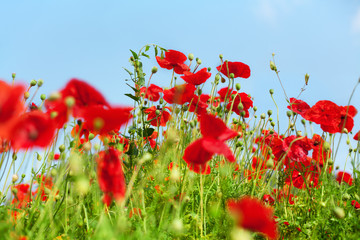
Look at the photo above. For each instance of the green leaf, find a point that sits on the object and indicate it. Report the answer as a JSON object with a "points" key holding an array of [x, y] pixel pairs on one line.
{"points": [[148, 132], [128, 71], [145, 55], [136, 90], [147, 48], [156, 51], [134, 54], [132, 96]]}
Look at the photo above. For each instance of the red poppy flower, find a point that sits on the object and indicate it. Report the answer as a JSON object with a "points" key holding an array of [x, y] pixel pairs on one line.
{"points": [[268, 199], [302, 175], [344, 177], [225, 92], [297, 148], [355, 204], [56, 156], [298, 106], [11, 106], [152, 92], [179, 94], [252, 215], [357, 136], [242, 98], [173, 60], [158, 119], [239, 69], [152, 140], [100, 120], [32, 129], [215, 133], [44, 183], [319, 154], [196, 78], [22, 196], [197, 105], [110, 175]]}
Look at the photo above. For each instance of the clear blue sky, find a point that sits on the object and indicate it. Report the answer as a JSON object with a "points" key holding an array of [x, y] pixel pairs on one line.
{"points": [[90, 40]]}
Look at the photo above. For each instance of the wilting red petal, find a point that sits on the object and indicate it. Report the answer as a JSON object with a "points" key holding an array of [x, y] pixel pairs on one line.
{"points": [[196, 78], [239, 69], [252, 215]]}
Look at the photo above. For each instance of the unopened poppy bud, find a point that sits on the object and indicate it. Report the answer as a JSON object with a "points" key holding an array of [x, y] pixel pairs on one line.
{"points": [[240, 106], [157, 112], [198, 61], [87, 146], [40, 82], [23, 175], [91, 136], [271, 91], [298, 133], [199, 92], [255, 109], [62, 148], [217, 77], [337, 168], [273, 66], [263, 116], [326, 146], [347, 141], [82, 185], [330, 162], [42, 97], [26, 95], [161, 101], [98, 123], [70, 101], [235, 121], [273, 124], [209, 69], [323, 204], [345, 131], [97, 147], [191, 56], [14, 156], [238, 86], [14, 191], [53, 172], [185, 108], [154, 70], [339, 212], [270, 163], [221, 56], [54, 96], [38, 157], [303, 121], [269, 112], [53, 114], [270, 118], [192, 124], [14, 178], [232, 75], [13, 75], [307, 79], [289, 113], [346, 196], [223, 80], [177, 110], [243, 113], [33, 83], [271, 131]]}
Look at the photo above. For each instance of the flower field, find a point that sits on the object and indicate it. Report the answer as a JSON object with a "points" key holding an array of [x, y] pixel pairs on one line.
{"points": [[178, 162]]}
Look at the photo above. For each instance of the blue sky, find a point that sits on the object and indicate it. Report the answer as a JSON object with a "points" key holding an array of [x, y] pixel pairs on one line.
{"points": [[90, 40]]}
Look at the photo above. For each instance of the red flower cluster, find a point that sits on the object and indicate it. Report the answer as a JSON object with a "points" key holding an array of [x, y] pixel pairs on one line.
{"points": [[238, 102], [110, 175], [344, 177], [331, 117], [252, 215], [199, 152]]}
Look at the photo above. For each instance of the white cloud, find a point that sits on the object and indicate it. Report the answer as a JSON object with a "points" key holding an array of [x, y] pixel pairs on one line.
{"points": [[355, 24]]}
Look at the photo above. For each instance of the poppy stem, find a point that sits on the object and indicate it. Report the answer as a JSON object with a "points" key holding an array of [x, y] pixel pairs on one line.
{"points": [[201, 206]]}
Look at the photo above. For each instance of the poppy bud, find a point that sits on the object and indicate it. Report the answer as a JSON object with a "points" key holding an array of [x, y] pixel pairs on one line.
{"points": [[14, 156], [185, 108], [209, 69], [40, 82], [33, 83], [243, 113], [221, 56], [14, 178], [53, 114], [157, 112], [270, 119], [298, 133], [199, 92], [91, 136], [307, 79], [269, 112], [42, 97], [326, 146], [54, 96], [82, 185], [263, 116], [217, 77], [198, 61], [240, 106], [26, 95], [14, 191], [161, 101], [223, 80], [303, 121], [191, 56], [62, 148], [289, 114], [232, 75], [177, 226], [339, 212], [255, 109], [98, 123], [38, 157], [330, 161], [238, 86], [271, 91], [347, 141], [271, 131], [87, 146], [272, 124], [13, 75], [345, 131], [323, 204], [273, 66], [53, 172], [70, 101], [154, 70], [270, 163]]}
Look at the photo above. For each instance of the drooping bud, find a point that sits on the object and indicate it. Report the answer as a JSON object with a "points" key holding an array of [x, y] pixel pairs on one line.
{"points": [[273, 66], [269, 112]]}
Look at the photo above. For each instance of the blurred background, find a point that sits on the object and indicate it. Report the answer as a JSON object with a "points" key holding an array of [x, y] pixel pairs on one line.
{"points": [[90, 40]]}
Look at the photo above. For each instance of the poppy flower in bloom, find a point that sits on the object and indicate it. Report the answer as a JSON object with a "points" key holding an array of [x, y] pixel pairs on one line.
{"points": [[158, 117], [179, 94], [32, 129], [235, 99], [111, 176], [297, 148], [22, 196], [239, 69], [298, 106], [357, 136], [196, 78], [152, 139], [197, 105], [173, 60], [101, 120], [152, 92], [319, 153], [44, 182], [302, 175], [11, 105], [251, 214], [214, 134], [344, 177]]}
